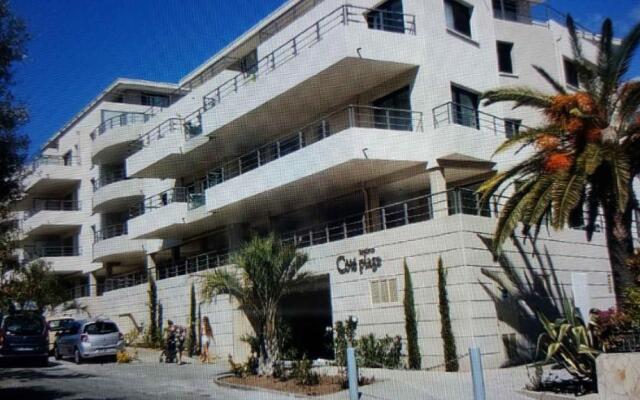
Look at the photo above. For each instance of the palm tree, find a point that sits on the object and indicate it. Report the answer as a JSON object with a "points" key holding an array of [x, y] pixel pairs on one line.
{"points": [[266, 268], [584, 157]]}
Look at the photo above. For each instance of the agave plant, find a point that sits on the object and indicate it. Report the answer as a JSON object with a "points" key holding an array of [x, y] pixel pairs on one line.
{"points": [[568, 342], [584, 157]]}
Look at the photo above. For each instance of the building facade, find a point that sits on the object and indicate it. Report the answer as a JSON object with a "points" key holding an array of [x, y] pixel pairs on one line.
{"points": [[353, 131]]}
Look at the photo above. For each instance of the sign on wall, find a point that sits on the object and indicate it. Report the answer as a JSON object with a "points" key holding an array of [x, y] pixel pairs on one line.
{"points": [[346, 265]]}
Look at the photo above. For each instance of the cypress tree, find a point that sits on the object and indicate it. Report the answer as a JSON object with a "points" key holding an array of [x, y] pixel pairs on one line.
{"points": [[191, 338], [410, 322], [449, 342], [153, 334]]}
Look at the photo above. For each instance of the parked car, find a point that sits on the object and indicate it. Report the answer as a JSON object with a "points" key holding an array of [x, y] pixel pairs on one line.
{"points": [[89, 339], [24, 335], [56, 326]]}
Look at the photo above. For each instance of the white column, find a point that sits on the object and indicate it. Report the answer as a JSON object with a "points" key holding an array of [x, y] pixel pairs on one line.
{"points": [[93, 285], [438, 192]]}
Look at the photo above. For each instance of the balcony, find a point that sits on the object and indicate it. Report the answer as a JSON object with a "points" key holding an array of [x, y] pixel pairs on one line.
{"points": [[52, 217], [353, 145], [169, 214], [51, 174], [305, 74], [112, 137], [114, 244], [458, 126], [114, 192], [61, 258]]}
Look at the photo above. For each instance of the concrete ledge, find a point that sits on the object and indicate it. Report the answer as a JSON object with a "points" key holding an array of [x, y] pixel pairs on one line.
{"points": [[218, 381], [618, 376], [555, 396]]}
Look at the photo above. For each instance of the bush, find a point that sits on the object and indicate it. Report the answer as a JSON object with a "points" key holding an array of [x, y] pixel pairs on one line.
{"points": [[124, 357], [303, 374], [414, 360], [345, 333], [610, 327], [132, 336], [241, 370], [446, 331], [378, 353]]}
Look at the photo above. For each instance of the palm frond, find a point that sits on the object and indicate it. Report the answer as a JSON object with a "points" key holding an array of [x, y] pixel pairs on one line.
{"points": [[559, 87], [567, 192], [624, 54], [511, 215], [620, 174], [520, 95]]}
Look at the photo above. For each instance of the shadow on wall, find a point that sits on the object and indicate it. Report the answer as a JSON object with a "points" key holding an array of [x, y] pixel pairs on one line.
{"points": [[528, 286]]}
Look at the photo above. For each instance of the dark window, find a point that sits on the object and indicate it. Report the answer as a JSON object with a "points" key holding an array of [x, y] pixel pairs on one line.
{"points": [[67, 158], [506, 9], [571, 73], [389, 110], [23, 325], [505, 64], [100, 328], [511, 127], [458, 17], [465, 107], [388, 16], [249, 63], [154, 100]]}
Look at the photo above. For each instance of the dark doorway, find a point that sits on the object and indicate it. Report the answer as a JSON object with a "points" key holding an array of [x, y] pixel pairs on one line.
{"points": [[306, 311]]}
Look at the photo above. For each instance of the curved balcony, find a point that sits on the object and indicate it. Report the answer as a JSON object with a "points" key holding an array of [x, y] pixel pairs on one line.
{"points": [[52, 217], [113, 243], [114, 192], [49, 173], [113, 137]]}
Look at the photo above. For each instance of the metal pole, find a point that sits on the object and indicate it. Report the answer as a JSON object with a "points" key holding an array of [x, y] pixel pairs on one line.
{"points": [[352, 373], [476, 374]]}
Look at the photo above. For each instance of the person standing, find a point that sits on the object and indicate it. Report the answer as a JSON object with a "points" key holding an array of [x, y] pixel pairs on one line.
{"points": [[206, 339]]}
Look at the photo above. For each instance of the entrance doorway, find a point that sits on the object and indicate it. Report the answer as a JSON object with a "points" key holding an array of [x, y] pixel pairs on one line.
{"points": [[306, 311]]}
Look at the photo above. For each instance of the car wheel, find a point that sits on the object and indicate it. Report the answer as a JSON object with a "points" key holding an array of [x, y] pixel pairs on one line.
{"points": [[77, 358], [56, 353]]}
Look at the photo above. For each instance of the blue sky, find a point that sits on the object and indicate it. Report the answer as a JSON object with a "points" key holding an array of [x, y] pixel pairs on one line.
{"points": [[78, 47]]}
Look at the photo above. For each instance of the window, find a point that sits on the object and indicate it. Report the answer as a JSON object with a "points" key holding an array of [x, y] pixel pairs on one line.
{"points": [[388, 112], [506, 9], [100, 328], [465, 107], [154, 100], [458, 17], [384, 291], [505, 64], [511, 127], [67, 158], [249, 63], [388, 16], [571, 73]]}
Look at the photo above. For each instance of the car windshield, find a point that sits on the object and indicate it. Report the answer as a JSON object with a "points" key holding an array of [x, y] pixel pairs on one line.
{"points": [[59, 324], [24, 325], [100, 328]]}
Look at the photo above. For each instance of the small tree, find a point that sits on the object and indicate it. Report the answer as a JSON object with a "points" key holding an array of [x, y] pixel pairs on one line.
{"points": [[410, 322], [449, 341], [191, 338], [266, 268], [154, 336], [31, 286]]}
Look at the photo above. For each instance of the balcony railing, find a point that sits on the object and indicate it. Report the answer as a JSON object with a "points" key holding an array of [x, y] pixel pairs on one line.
{"points": [[63, 161], [190, 265], [455, 113], [166, 128], [110, 177], [343, 15], [188, 195], [35, 252], [124, 119], [124, 281], [110, 232], [353, 116], [52, 205], [79, 291]]}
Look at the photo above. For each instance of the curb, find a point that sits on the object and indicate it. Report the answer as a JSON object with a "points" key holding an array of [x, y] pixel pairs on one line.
{"points": [[549, 395], [218, 381]]}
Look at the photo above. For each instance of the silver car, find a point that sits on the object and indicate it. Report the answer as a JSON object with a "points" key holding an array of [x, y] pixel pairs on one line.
{"points": [[89, 339]]}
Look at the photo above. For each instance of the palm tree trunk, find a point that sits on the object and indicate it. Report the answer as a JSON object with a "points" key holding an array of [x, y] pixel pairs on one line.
{"points": [[620, 246], [270, 353]]}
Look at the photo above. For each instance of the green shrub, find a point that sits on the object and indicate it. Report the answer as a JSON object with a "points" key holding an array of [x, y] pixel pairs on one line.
{"points": [[446, 332], [345, 333], [303, 374], [378, 353], [414, 360], [191, 343]]}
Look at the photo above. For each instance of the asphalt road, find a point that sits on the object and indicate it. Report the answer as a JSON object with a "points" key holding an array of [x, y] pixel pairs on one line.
{"points": [[95, 380]]}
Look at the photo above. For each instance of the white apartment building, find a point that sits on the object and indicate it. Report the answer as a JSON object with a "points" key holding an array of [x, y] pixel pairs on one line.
{"points": [[353, 130]]}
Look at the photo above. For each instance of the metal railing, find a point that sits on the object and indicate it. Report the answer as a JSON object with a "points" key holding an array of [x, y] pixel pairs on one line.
{"points": [[79, 291], [353, 116], [110, 177], [110, 232], [198, 263], [64, 161], [164, 129], [53, 205], [343, 15], [126, 118], [124, 281], [189, 195], [536, 12], [455, 113], [35, 252]]}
